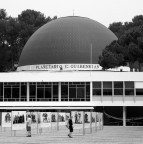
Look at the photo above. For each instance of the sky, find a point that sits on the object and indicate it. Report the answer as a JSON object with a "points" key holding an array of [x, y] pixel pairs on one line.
{"points": [[104, 11]]}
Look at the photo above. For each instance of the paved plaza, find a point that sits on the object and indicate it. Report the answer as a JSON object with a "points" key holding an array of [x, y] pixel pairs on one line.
{"points": [[109, 135]]}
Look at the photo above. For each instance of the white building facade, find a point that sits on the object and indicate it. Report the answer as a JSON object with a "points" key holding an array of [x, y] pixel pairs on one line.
{"points": [[70, 90]]}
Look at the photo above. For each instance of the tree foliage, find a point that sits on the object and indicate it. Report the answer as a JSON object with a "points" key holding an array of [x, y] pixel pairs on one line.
{"points": [[128, 49], [14, 33], [3, 14]]}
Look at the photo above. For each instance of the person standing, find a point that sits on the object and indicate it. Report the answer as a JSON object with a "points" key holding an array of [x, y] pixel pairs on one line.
{"points": [[28, 126], [70, 127]]}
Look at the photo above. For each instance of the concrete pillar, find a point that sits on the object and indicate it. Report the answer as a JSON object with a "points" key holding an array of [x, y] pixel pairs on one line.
{"points": [[83, 123], [59, 91], [124, 116], [58, 120], [102, 120], [90, 121], [28, 91], [37, 123], [95, 122]]}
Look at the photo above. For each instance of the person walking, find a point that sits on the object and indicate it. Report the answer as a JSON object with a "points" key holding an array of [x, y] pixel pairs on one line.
{"points": [[28, 126], [70, 127]]}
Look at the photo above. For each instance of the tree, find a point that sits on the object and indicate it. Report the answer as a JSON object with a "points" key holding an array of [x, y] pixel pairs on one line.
{"points": [[112, 56], [30, 21], [117, 28], [31, 17], [4, 51], [137, 20], [3, 14], [128, 49], [133, 46], [14, 33]]}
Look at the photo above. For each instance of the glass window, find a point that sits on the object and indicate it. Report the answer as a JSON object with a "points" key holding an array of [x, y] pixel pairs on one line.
{"points": [[55, 91], [96, 84], [72, 93], [107, 84], [40, 93], [97, 88], [87, 90], [107, 88], [48, 86], [80, 93], [1, 89], [23, 90], [64, 92], [129, 92], [7, 93], [107, 92], [118, 84], [129, 88], [118, 92], [129, 84], [97, 92], [48, 93], [72, 85], [139, 92], [118, 88], [15, 94], [77, 91], [32, 90]]}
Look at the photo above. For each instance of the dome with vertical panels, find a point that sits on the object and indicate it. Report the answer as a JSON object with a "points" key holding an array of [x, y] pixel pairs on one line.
{"points": [[66, 40]]}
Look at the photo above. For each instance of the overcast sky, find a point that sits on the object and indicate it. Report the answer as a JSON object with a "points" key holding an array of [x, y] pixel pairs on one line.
{"points": [[103, 11]]}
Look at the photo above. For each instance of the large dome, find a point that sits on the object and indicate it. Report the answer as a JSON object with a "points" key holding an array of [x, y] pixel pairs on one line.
{"points": [[66, 40]]}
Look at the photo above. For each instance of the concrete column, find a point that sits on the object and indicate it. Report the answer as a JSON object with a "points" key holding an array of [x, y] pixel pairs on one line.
{"points": [[90, 121], [123, 92], [27, 91], [37, 123], [59, 91], [95, 122], [83, 124], [124, 116], [102, 120], [58, 120]]}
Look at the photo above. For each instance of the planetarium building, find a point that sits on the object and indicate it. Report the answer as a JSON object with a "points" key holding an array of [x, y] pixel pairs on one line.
{"points": [[58, 70]]}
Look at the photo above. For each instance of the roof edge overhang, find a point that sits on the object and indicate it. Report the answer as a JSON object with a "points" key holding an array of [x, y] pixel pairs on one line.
{"points": [[47, 108], [69, 76]]}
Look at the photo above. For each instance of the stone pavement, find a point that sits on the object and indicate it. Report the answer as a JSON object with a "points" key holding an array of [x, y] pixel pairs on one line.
{"points": [[109, 135]]}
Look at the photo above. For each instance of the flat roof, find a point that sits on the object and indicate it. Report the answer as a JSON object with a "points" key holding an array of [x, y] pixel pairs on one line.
{"points": [[48, 108], [69, 76]]}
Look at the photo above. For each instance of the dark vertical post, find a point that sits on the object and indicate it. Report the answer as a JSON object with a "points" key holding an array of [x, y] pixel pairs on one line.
{"points": [[124, 116]]}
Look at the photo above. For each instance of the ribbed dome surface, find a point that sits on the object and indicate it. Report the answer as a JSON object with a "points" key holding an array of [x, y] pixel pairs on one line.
{"points": [[66, 40]]}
